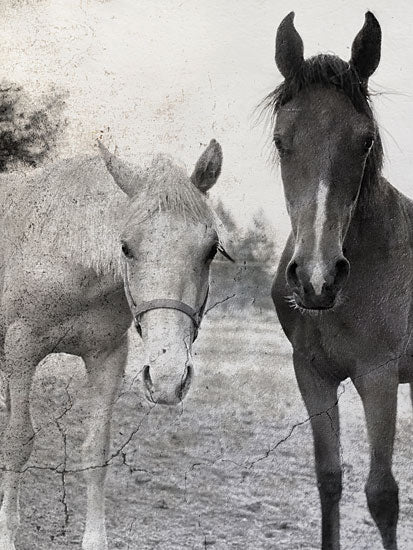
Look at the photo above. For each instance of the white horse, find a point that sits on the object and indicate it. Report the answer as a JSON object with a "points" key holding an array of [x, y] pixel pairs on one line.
{"points": [[80, 259]]}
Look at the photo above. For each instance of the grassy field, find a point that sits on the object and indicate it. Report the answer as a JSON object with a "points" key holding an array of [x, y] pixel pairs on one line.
{"points": [[219, 472]]}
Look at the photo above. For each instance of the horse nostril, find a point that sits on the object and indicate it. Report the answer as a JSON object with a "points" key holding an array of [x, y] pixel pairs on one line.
{"points": [[164, 392], [183, 387], [291, 274], [342, 270], [147, 377]]}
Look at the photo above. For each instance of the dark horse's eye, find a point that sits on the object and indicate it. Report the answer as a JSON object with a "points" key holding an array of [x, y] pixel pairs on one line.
{"points": [[127, 251], [368, 142], [278, 143]]}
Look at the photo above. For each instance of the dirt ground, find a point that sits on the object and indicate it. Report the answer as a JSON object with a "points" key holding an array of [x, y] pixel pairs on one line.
{"points": [[219, 472]]}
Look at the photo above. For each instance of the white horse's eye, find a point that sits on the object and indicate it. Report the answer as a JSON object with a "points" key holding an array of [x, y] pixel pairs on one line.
{"points": [[212, 252], [127, 251]]}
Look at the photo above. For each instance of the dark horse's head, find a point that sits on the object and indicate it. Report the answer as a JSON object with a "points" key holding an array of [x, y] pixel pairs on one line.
{"points": [[330, 153]]}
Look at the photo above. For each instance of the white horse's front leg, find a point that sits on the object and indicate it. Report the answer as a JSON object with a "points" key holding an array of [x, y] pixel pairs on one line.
{"points": [[4, 389], [22, 356], [105, 371]]}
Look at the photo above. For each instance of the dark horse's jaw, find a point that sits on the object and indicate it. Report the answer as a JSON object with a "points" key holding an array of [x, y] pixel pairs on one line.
{"points": [[296, 304]]}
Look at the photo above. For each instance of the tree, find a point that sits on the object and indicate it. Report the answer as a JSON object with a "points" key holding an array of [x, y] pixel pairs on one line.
{"points": [[225, 216], [258, 242], [248, 281], [28, 132]]}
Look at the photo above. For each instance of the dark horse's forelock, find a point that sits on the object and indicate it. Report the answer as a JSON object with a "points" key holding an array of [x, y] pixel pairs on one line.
{"points": [[330, 71]]}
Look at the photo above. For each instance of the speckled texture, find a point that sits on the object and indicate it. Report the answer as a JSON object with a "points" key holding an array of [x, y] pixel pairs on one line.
{"points": [[151, 76]]}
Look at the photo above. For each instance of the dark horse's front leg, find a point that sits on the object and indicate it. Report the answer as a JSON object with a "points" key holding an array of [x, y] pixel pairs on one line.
{"points": [[320, 397], [378, 391]]}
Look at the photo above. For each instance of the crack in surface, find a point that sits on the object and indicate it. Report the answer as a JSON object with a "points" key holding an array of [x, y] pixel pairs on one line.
{"points": [[219, 302], [63, 479], [326, 411], [60, 468], [293, 428]]}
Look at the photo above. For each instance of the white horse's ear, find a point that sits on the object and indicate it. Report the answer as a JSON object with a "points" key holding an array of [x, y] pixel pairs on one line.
{"points": [[125, 176], [208, 167]]}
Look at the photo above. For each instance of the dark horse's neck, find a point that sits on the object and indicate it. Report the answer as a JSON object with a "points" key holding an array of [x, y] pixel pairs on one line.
{"points": [[376, 219]]}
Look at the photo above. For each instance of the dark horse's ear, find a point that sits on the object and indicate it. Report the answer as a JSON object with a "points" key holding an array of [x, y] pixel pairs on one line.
{"points": [[124, 175], [365, 51], [289, 48], [208, 167]]}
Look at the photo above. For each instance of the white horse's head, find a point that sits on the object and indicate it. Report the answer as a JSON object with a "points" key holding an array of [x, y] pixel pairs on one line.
{"points": [[169, 239]]}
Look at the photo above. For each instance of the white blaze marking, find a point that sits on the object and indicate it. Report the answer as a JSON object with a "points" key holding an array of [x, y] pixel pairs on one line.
{"points": [[317, 277]]}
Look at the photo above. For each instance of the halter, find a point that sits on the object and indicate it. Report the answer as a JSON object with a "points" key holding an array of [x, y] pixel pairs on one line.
{"points": [[162, 303]]}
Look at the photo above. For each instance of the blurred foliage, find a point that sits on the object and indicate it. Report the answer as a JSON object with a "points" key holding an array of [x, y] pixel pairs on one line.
{"points": [[28, 130], [248, 281], [256, 242]]}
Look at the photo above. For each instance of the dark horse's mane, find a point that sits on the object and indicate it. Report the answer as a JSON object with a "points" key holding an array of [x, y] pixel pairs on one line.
{"points": [[330, 71]]}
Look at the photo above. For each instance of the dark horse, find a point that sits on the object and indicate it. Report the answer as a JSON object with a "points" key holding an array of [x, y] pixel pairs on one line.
{"points": [[343, 291]]}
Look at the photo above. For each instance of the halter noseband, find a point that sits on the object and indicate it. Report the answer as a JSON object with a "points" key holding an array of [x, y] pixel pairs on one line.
{"points": [[162, 303]]}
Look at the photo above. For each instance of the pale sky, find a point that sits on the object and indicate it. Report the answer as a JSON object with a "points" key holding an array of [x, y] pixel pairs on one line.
{"points": [[170, 75]]}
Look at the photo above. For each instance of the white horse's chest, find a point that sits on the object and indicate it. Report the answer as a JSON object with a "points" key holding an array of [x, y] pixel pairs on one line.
{"points": [[99, 325], [72, 310]]}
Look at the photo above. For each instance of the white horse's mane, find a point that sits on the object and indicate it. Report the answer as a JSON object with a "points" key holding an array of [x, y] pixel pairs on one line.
{"points": [[73, 209]]}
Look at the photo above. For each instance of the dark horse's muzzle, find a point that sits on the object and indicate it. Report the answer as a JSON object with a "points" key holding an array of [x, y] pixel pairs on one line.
{"points": [[316, 286]]}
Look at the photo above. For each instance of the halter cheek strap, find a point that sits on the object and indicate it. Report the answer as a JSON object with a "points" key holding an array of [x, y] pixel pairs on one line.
{"points": [[162, 303]]}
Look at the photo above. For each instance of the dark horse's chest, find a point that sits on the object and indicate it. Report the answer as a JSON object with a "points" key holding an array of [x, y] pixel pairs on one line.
{"points": [[370, 326]]}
